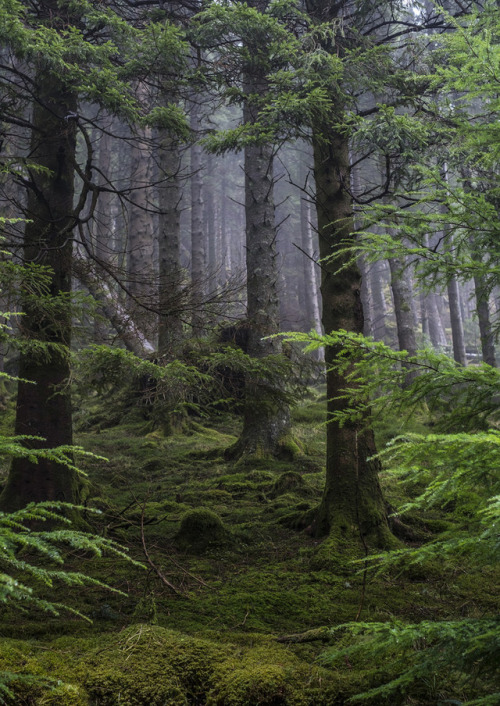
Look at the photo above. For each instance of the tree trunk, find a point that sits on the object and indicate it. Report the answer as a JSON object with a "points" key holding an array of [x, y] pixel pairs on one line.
{"points": [[379, 313], [198, 267], [485, 331], [103, 226], [266, 418], [456, 322], [402, 296], [352, 508], [311, 303], [170, 294], [44, 408], [140, 227], [133, 339]]}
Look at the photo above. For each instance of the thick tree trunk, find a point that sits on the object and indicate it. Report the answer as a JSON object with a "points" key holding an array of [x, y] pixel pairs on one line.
{"points": [[44, 404], [352, 508]]}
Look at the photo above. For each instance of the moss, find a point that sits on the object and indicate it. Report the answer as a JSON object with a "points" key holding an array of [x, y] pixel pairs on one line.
{"points": [[314, 413], [289, 448], [268, 674], [290, 480], [199, 529], [150, 665]]}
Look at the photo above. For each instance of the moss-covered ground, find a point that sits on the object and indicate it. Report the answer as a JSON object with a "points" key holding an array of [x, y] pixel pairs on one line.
{"points": [[227, 569]]}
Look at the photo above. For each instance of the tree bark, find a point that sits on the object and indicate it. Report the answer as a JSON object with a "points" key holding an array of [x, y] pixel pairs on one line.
{"points": [[402, 296], [140, 227], [483, 315], [266, 419], [170, 291], [131, 336], [43, 404], [456, 322], [198, 266], [352, 507]]}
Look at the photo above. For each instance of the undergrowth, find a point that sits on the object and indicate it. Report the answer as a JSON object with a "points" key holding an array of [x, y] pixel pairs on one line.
{"points": [[200, 624]]}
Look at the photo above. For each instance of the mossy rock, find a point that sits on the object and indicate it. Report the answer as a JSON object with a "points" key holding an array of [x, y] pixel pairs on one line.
{"points": [[201, 528], [286, 482]]}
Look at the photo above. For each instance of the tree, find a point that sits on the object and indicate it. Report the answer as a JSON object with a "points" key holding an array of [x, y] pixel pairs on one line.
{"points": [[74, 51], [251, 29]]}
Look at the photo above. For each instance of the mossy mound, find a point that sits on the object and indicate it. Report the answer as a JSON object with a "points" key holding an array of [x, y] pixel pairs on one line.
{"points": [[199, 529], [268, 674], [286, 482]]}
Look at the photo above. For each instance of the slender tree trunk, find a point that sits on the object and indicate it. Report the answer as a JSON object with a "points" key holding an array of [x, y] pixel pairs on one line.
{"points": [[402, 296], [379, 313], [456, 322], [103, 225], [198, 266], [140, 229], [211, 218], [483, 315], [129, 333], [436, 329], [405, 322], [311, 302], [266, 418], [170, 294], [44, 404]]}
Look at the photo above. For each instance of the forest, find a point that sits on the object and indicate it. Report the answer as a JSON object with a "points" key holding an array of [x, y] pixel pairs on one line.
{"points": [[249, 323]]}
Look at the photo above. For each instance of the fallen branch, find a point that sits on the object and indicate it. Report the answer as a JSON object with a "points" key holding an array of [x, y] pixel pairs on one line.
{"points": [[323, 634]]}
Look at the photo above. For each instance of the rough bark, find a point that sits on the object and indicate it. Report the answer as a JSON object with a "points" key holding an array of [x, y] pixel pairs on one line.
{"points": [[352, 507], [44, 408], [266, 418]]}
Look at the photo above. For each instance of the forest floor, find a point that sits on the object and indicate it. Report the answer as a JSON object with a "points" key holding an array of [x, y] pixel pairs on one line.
{"points": [[210, 616]]}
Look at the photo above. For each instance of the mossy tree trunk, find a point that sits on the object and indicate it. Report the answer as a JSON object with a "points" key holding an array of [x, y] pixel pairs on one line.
{"points": [[43, 403], [352, 507]]}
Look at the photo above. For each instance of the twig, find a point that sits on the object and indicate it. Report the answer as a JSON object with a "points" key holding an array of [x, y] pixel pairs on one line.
{"points": [[152, 564]]}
